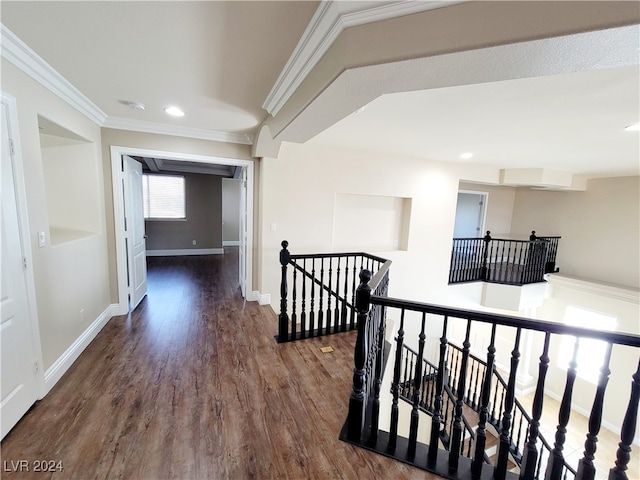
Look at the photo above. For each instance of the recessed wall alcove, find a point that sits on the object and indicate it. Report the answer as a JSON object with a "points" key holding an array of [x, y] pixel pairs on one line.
{"points": [[370, 222], [70, 167]]}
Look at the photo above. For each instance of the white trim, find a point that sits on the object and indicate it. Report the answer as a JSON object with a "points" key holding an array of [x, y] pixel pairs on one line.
{"points": [[118, 208], [261, 298], [608, 425], [185, 251], [179, 131], [231, 243], [613, 292], [25, 235], [31, 64], [22, 56], [329, 21], [55, 372]]}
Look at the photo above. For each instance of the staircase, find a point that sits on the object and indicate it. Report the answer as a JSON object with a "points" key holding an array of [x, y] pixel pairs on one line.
{"points": [[478, 428]]}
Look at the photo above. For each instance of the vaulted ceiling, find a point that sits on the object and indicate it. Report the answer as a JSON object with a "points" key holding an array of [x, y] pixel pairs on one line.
{"points": [[221, 61]]}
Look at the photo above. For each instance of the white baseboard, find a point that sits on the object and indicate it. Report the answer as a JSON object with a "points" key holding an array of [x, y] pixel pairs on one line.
{"points": [[55, 372], [231, 243], [185, 251], [261, 298]]}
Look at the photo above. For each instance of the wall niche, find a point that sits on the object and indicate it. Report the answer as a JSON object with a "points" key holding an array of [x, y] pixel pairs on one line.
{"points": [[70, 166]]}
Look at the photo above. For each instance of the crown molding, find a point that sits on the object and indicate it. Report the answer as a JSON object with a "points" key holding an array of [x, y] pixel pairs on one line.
{"points": [[19, 54], [162, 129], [31, 64], [592, 287], [329, 21]]}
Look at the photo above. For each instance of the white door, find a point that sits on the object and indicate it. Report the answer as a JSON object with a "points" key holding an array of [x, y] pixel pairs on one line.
{"points": [[470, 215], [134, 231], [19, 366], [242, 260]]}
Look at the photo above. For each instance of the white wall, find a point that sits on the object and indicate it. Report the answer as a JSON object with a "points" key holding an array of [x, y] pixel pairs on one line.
{"points": [[600, 228], [73, 275]]}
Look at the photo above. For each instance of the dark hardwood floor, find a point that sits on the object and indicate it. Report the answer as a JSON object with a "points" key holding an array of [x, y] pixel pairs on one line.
{"points": [[191, 385]]}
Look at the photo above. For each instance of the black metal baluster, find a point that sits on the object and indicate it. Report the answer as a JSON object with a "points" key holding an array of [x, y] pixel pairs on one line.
{"points": [[495, 403], [628, 431], [337, 321], [294, 316], [453, 375], [481, 431], [436, 418], [413, 426], [329, 295], [352, 315], [458, 427], [395, 387], [321, 301], [344, 314], [379, 371], [312, 312], [471, 369], [530, 454], [303, 310], [586, 468], [556, 458], [500, 470]]}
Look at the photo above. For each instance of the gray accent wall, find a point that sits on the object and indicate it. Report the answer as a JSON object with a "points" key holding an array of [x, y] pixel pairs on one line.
{"points": [[204, 218]]}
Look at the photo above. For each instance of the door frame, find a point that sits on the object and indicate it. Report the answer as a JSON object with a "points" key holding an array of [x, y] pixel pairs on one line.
{"points": [[485, 201], [19, 185], [118, 210]]}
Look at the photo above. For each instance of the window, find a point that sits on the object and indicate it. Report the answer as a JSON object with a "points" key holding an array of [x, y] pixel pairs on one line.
{"points": [[163, 197], [591, 352]]}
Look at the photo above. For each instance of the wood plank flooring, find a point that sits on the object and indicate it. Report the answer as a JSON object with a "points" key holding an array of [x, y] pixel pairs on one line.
{"points": [[192, 385]]}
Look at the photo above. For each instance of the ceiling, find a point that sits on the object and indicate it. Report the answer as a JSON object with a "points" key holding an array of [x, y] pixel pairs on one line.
{"points": [[218, 61]]}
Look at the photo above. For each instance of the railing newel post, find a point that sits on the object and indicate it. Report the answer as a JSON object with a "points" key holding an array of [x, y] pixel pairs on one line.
{"points": [[357, 399], [283, 318], [485, 255]]}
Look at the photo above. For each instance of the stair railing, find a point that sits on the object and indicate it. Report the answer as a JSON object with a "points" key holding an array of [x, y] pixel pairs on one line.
{"points": [[362, 428], [522, 422], [506, 261], [317, 294]]}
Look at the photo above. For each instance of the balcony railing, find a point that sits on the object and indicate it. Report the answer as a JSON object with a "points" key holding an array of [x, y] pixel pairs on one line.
{"points": [[458, 371], [498, 260], [327, 298]]}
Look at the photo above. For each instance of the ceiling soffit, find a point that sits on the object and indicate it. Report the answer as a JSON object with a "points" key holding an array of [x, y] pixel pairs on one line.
{"points": [[356, 53]]}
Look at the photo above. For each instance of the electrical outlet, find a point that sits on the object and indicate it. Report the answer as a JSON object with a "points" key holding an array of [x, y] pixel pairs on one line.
{"points": [[82, 315], [194, 242]]}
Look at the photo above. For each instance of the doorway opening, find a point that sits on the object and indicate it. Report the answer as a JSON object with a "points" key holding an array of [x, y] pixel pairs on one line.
{"points": [[245, 169], [470, 214]]}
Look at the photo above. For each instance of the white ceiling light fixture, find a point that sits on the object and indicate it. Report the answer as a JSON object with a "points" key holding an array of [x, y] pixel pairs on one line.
{"points": [[135, 105], [174, 111], [634, 127], [466, 156]]}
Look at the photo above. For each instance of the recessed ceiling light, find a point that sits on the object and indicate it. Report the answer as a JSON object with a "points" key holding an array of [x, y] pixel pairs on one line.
{"points": [[174, 111], [466, 156], [634, 127]]}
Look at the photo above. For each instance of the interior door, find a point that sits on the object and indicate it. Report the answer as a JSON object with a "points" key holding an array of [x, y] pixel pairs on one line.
{"points": [[242, 259], [470, 215], [134, 231], [19, 367]]}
